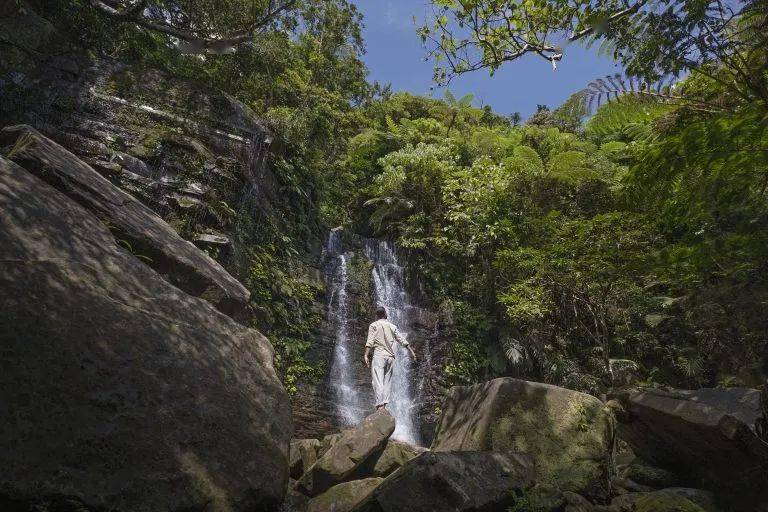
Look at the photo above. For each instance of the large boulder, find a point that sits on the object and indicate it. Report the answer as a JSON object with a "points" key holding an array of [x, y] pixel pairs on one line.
{"points": [[116, 388], [184, 265], [350, 451], [303, 455], [343, 497], [569, 434], [455, 481], [707, 437]]}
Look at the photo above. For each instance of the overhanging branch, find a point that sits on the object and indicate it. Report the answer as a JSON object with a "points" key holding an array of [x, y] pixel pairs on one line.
{"points": [[610, 19], [134, 13]]}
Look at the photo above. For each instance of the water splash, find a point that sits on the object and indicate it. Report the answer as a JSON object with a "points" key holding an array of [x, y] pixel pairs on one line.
{"points": [[389, 285]]}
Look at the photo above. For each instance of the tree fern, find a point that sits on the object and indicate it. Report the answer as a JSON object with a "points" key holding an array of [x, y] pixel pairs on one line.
{"points": [[618, 88], [631, 118], [386, 208]]}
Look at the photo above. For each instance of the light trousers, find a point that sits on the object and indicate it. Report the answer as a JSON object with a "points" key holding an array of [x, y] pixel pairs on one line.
{"points": [[381, 374]]}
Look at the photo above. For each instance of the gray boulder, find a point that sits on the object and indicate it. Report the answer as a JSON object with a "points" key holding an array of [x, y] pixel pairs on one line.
{"points": [[117, 388], [303, 455], [343, 497], [184, 265], [706, 437], [350, 451], [569, 434], [453, 481]]}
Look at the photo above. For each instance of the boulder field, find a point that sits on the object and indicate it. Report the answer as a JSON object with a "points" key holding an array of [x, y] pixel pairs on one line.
{"points": [[512, 445]]}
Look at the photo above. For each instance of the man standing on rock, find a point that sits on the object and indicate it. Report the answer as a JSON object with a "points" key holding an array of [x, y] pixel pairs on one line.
{"points": [[381, 334]]}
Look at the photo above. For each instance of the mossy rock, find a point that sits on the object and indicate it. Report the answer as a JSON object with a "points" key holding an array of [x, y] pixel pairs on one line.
{"points": [[650, 476], [569, 434]]}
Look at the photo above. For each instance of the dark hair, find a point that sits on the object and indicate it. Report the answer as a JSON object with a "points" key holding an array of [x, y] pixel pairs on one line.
{"points": [[381, 312]]}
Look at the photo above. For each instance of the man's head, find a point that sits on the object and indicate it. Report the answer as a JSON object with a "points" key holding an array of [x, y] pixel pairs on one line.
{"points": [[381, 312]]}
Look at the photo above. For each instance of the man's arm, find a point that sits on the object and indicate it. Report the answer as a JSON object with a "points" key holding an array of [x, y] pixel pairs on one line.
{"points": [[402, 341], [369, 345]]}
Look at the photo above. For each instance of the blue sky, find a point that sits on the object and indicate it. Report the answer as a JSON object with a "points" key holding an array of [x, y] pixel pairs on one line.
{"points": [[395, 55]]}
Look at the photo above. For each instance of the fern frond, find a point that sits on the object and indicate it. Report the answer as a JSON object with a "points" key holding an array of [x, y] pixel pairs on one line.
{"points": [[632, 117], [616, 88]]}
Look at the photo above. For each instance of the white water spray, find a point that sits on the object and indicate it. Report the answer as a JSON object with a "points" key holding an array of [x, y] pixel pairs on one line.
{"points": [[345, 395]]}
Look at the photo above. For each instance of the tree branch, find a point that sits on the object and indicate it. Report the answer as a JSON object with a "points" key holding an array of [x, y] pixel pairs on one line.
{"points": [[128, 12], [134, 14], [610, 19]]}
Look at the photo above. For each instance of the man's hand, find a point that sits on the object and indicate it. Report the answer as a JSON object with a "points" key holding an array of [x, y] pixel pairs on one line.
{"points": [[366, 358], [413, 354]]}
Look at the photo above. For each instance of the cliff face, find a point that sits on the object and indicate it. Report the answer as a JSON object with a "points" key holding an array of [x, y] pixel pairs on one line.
{"points": [[132, 376]]}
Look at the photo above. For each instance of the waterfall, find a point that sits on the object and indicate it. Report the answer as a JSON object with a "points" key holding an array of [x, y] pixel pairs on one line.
{"points": [[389, 285], [351, 396], [341, 378]]}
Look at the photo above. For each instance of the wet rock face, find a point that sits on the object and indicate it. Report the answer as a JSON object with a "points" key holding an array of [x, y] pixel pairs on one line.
{"points": [[315, 411], [707, 437], [456, 481], [569, 434], [116, 388]]}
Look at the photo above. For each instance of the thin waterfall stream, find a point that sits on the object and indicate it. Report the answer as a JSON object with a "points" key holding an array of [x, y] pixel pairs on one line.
{"points": [[346, 396]]}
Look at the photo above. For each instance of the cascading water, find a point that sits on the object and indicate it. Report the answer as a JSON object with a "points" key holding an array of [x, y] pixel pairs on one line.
{"points": [[352, 397], [389, 285], [345, 395]]}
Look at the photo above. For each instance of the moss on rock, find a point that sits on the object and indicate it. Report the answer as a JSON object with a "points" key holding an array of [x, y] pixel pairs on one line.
{"points": [[570, 434]]}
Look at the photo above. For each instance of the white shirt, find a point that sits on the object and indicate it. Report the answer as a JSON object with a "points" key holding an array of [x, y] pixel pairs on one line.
{"points": [[381, 334]]}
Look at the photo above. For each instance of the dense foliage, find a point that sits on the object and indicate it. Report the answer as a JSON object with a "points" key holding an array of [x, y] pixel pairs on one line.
{"points": [[557, 248], [650, 38]]}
